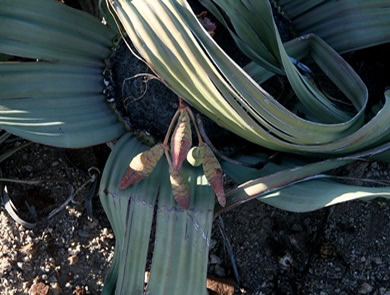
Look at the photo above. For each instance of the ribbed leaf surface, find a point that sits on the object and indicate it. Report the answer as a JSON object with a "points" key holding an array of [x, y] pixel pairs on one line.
{"points": [[183, 268], [57, 100], [258, 38], [49, 30], [168, 35], [345, 25], [317, 194], [298, 186], [182, 237]]}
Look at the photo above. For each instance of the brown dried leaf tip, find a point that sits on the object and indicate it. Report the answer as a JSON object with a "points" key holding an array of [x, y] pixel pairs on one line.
{"points": [[181, 140], [141, 166], [180, 189], [213, 172]]}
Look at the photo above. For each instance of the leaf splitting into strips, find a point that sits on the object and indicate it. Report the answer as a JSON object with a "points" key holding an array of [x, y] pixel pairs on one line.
{"points": [[182, 241], [173, 42], [181, 140], [213, 172], [180, 189], [141, 166]]}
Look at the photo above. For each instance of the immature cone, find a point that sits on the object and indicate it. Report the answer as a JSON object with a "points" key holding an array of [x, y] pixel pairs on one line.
{"points": [[180, 189], [141, 166], [181, 140], [195, 156], [213, 172]]}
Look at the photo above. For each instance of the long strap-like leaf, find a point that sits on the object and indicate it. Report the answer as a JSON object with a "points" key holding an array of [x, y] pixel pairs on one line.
{"points": [[300, 187], [172, 41], [255, 27], [49, 30], [58, 99], [346, 25], [182, 237], [56, 104]]}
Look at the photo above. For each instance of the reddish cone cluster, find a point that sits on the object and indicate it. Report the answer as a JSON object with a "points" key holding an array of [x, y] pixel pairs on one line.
{"points": [[181, 141]]}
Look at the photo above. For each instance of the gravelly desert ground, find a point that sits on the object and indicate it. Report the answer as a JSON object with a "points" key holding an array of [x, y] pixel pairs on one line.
{"points": [[341, 250]]}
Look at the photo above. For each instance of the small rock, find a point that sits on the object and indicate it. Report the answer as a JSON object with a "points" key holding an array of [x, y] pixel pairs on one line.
{"points": [[92, 224], [211, 269], [83, 234], [56, 289], [214, 259], [365, 288], [73, 259], [378, 261], [286, 261], [220, 271], [28, 168], [296, 227], [53, 279], [212, 243], [39, 288], [55, 163], [299, 242], [79, 291]]}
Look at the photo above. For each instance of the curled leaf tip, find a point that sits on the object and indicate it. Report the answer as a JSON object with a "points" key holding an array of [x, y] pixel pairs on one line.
{"points": [[180, 189], [141, 166], [181, 140]]}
